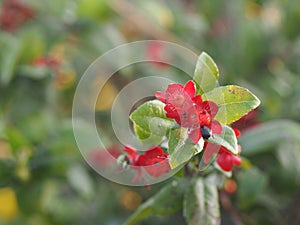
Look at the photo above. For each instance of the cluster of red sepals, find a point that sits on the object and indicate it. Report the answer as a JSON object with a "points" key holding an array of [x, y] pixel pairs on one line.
{"points": [[189, 110], [225, 159], [153, 160], [194, 114]]}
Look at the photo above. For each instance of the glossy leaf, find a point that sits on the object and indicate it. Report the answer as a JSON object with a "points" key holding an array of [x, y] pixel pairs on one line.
{"points": [[180, 148], [150, 122], [206, 73], [201, 204], [234, 102], [227, 139], [168, 200]]}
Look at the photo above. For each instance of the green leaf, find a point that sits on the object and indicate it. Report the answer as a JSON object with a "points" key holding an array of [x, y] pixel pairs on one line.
{"points": [[234, 102], [180, 148], [288, 155], [10, 49], [201, 204], [167, 201], [264, 137], [206, 73], [227, 139], [150, 122]]}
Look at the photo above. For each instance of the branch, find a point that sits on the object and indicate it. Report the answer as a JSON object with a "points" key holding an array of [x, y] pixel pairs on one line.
{"points": [[226, 204]]}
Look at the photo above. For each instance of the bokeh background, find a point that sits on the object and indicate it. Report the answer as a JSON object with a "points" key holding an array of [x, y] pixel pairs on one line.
{"points": [[45, 47]]}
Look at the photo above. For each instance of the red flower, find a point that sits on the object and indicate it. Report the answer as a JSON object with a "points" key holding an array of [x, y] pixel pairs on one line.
{"points": [[226, 159], [206, 111], [153, 160], [190, 111], [13, 14], [177, 97], [101, 156]]}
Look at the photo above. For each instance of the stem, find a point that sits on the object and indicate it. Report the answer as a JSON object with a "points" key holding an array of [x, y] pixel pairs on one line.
{"points": [[227, 205]]}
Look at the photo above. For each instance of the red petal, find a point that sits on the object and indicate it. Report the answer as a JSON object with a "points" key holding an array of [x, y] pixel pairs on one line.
{"points": [[138, 175], [236, 160], [173, 88], [216, 127], [171, 112], [195, 136], [224, 160], [190, 88], [197, 100], [211, 107], [237, 132], [210, 150], [158, 169], [178, 120], [141, 160], [131, 151], [161, 96], [155, 152]]}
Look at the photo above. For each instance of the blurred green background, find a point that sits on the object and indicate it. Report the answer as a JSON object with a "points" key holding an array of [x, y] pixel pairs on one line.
{"points": [[45, 47]]}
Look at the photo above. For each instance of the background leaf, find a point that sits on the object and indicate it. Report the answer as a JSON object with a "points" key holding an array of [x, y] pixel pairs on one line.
{"points": [[201, 204], [233, 101], [150, 121], [206, 73], [265, 136], [167, 201], [251, 184], [10, 49], [288, 155]]}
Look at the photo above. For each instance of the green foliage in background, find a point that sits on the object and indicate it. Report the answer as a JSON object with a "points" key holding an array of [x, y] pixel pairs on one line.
{"points": [[43, 177]]}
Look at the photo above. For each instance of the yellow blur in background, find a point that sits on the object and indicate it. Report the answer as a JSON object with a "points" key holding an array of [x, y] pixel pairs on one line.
{"points": [[8, 204]]}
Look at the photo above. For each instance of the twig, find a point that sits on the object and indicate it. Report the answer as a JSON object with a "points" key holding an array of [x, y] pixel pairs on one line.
{"points": [[226, 204]]}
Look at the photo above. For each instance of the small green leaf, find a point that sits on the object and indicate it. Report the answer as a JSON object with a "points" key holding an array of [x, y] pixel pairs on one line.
{"points": [[201, 204], [180, 148], [227, 139], [264, 137], [233, 101], [150, 122], [167, 201], [206, 74]]}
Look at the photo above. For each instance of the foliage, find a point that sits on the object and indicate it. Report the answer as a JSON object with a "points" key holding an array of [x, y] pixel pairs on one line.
{"points": [[42, 175]]}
